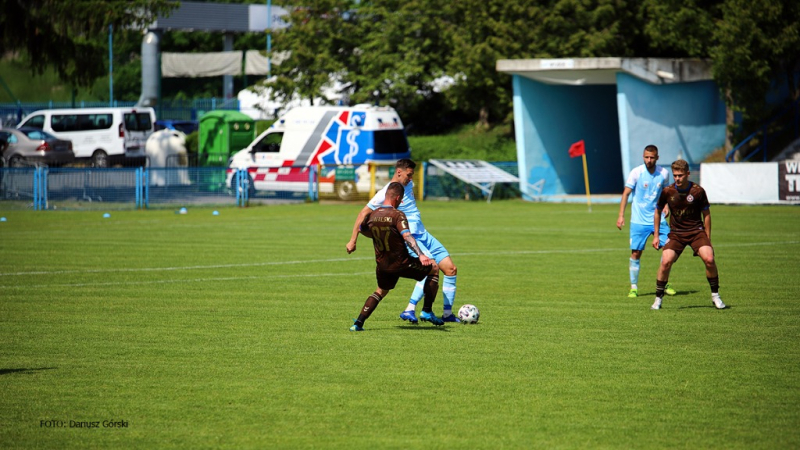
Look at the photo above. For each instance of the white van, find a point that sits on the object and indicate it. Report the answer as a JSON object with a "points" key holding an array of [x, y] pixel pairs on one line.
{"points": [[104, 135], [343, 138]]}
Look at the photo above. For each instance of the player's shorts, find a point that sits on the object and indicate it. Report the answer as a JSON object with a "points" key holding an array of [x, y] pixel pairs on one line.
{"points": [[415, 270], [430, 246], [640, 232], [696, 241]]}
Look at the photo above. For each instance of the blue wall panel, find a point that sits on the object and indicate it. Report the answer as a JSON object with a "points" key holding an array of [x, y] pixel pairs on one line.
{"points": [[548, 119], [684, 120]]}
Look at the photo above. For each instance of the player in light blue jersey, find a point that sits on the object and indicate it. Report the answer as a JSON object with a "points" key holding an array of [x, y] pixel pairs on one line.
{"points": [[430, 246], [645, 182]]}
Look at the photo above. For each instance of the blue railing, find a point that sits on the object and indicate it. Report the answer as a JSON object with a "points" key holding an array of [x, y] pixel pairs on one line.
{"points": [[765, 135], [13, 113]]}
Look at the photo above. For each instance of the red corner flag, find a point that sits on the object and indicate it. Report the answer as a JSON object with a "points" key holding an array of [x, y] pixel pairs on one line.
{"points": [[577, 149]]}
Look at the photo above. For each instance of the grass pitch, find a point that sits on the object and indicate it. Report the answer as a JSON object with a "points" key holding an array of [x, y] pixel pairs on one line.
{"points": [[202, 331]]}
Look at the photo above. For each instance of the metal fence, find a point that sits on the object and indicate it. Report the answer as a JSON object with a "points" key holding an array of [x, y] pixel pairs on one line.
{"points": [[65, 188], [12, 113]]}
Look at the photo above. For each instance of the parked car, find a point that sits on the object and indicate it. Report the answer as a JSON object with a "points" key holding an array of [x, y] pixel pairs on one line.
{"points": [[30, 145]]}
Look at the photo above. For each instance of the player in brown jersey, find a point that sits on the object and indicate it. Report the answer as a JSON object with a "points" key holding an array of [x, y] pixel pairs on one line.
{"points": [[388, 228], [690, 224]]}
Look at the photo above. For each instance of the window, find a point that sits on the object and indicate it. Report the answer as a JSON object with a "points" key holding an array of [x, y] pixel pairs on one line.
{"points": [[35, 122], [138, 122], [390, 141], [271, 143]]}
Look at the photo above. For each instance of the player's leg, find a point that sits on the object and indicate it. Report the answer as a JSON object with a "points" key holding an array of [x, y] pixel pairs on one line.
{"points": [[450, 272], [369, 306], [669, 255], [638, 239], [706, 253], [419, 288], [663, 237], [431, 275]]}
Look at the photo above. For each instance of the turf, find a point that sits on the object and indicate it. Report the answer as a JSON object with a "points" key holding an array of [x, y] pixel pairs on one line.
{"points": [[231, 331]]}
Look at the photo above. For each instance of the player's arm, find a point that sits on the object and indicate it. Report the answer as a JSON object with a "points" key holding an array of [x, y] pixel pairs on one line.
{"points": [[707, 222], [623, 203], [351, 246], [412, 244], [657, 222]]}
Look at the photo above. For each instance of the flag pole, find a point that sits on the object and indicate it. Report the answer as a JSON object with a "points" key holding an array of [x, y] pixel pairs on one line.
{"points": [[586, 180]]}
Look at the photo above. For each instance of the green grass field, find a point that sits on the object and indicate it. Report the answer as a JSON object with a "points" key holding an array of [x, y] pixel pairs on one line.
{"points": [[231, 331]]}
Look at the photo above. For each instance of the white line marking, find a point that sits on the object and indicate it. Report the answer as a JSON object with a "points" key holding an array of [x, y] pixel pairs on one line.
{"points": [[191, 280], [312, 261]]}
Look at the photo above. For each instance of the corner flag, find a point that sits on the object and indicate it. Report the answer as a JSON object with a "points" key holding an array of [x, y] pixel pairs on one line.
{"points": [[577, 149]]}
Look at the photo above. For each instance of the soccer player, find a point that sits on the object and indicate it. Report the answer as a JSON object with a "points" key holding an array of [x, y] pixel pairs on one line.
{"points": [[690, 219], [388, 228], [430, 246], [646, 182]]}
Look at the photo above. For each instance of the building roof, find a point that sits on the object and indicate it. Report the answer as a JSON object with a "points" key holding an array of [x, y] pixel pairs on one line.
{"points": [[588, 71]]}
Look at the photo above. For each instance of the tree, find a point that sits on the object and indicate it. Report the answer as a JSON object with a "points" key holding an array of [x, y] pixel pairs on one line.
{"points": [[72, 37]]}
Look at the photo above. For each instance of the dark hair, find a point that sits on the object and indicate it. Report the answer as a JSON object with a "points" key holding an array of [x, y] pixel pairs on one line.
{"points": [[405, 163], [651, 148], [395, 189]]}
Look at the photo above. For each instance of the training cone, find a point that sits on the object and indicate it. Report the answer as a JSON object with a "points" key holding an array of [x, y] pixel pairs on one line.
{"points": [[106, 215]]}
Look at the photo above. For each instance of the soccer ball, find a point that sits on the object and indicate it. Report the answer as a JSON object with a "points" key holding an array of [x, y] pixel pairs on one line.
{"points": [[469, 314]]}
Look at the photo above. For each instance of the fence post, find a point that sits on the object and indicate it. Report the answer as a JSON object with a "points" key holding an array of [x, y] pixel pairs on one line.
{"points": [[36, 189], [312, 182], [138, 187], [146, 188], [45, 174]]}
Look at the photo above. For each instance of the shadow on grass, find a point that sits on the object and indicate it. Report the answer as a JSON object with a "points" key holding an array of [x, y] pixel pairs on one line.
{"points": [[25, 371], [677, 294], [704, 306], [422, 328]]}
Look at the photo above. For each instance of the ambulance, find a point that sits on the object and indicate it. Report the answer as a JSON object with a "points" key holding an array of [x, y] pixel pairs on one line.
{"points": [[337, 142]]}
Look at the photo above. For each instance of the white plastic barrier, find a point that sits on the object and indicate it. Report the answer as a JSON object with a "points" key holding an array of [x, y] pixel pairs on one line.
{"points": [[752, 183]]}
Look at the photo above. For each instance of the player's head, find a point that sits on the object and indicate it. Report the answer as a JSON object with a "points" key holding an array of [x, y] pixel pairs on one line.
{"points": [[650, 156], [394, 193], [680, 172], [404, 171]]}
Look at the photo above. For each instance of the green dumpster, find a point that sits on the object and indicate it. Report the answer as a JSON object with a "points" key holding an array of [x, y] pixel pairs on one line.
{"points": [[221, 134]]}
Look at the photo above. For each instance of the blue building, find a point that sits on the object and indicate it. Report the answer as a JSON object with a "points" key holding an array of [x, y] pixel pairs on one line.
{"points": [[617, 106]]}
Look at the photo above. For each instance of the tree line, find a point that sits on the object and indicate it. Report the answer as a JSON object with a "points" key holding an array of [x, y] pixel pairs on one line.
{"points": [[396, 52]]}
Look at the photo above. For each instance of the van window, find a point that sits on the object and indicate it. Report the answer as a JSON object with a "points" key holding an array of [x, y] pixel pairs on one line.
{"points": [[35, 122], [271, 143], [80, 122], [138, 122], [390, 141]]}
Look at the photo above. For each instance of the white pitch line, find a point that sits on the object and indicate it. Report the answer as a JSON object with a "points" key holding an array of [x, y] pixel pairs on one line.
{"points": [[191, 280], [312, 261]]}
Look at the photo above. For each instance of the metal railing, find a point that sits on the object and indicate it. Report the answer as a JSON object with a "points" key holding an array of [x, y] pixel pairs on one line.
{"points": [[768, 133]]}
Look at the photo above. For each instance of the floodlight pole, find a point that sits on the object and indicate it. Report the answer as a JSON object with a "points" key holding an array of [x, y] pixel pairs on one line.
{"points": [[110, 65]]}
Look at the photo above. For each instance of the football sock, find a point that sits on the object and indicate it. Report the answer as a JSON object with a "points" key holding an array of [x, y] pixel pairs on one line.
{"points": [[714, 283], [431, 289], [369, 306], [660, 286], [416, 296], [449, 294], [634, 272]]}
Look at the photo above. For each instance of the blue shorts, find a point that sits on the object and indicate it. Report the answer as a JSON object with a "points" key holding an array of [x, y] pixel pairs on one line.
{"points": [[640, 233], [430, 246]]}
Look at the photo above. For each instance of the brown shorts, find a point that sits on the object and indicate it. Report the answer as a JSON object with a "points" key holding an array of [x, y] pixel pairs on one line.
{"points": [[696, 240], [415, 270]]}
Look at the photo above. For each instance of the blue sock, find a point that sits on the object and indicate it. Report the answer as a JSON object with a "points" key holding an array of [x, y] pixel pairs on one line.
{"points": [[449, 294], [417, 295], [634, 269]]}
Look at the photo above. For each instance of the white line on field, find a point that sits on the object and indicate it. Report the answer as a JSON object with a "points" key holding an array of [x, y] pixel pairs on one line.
{"points": [[192, 280], [312, 261]]}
